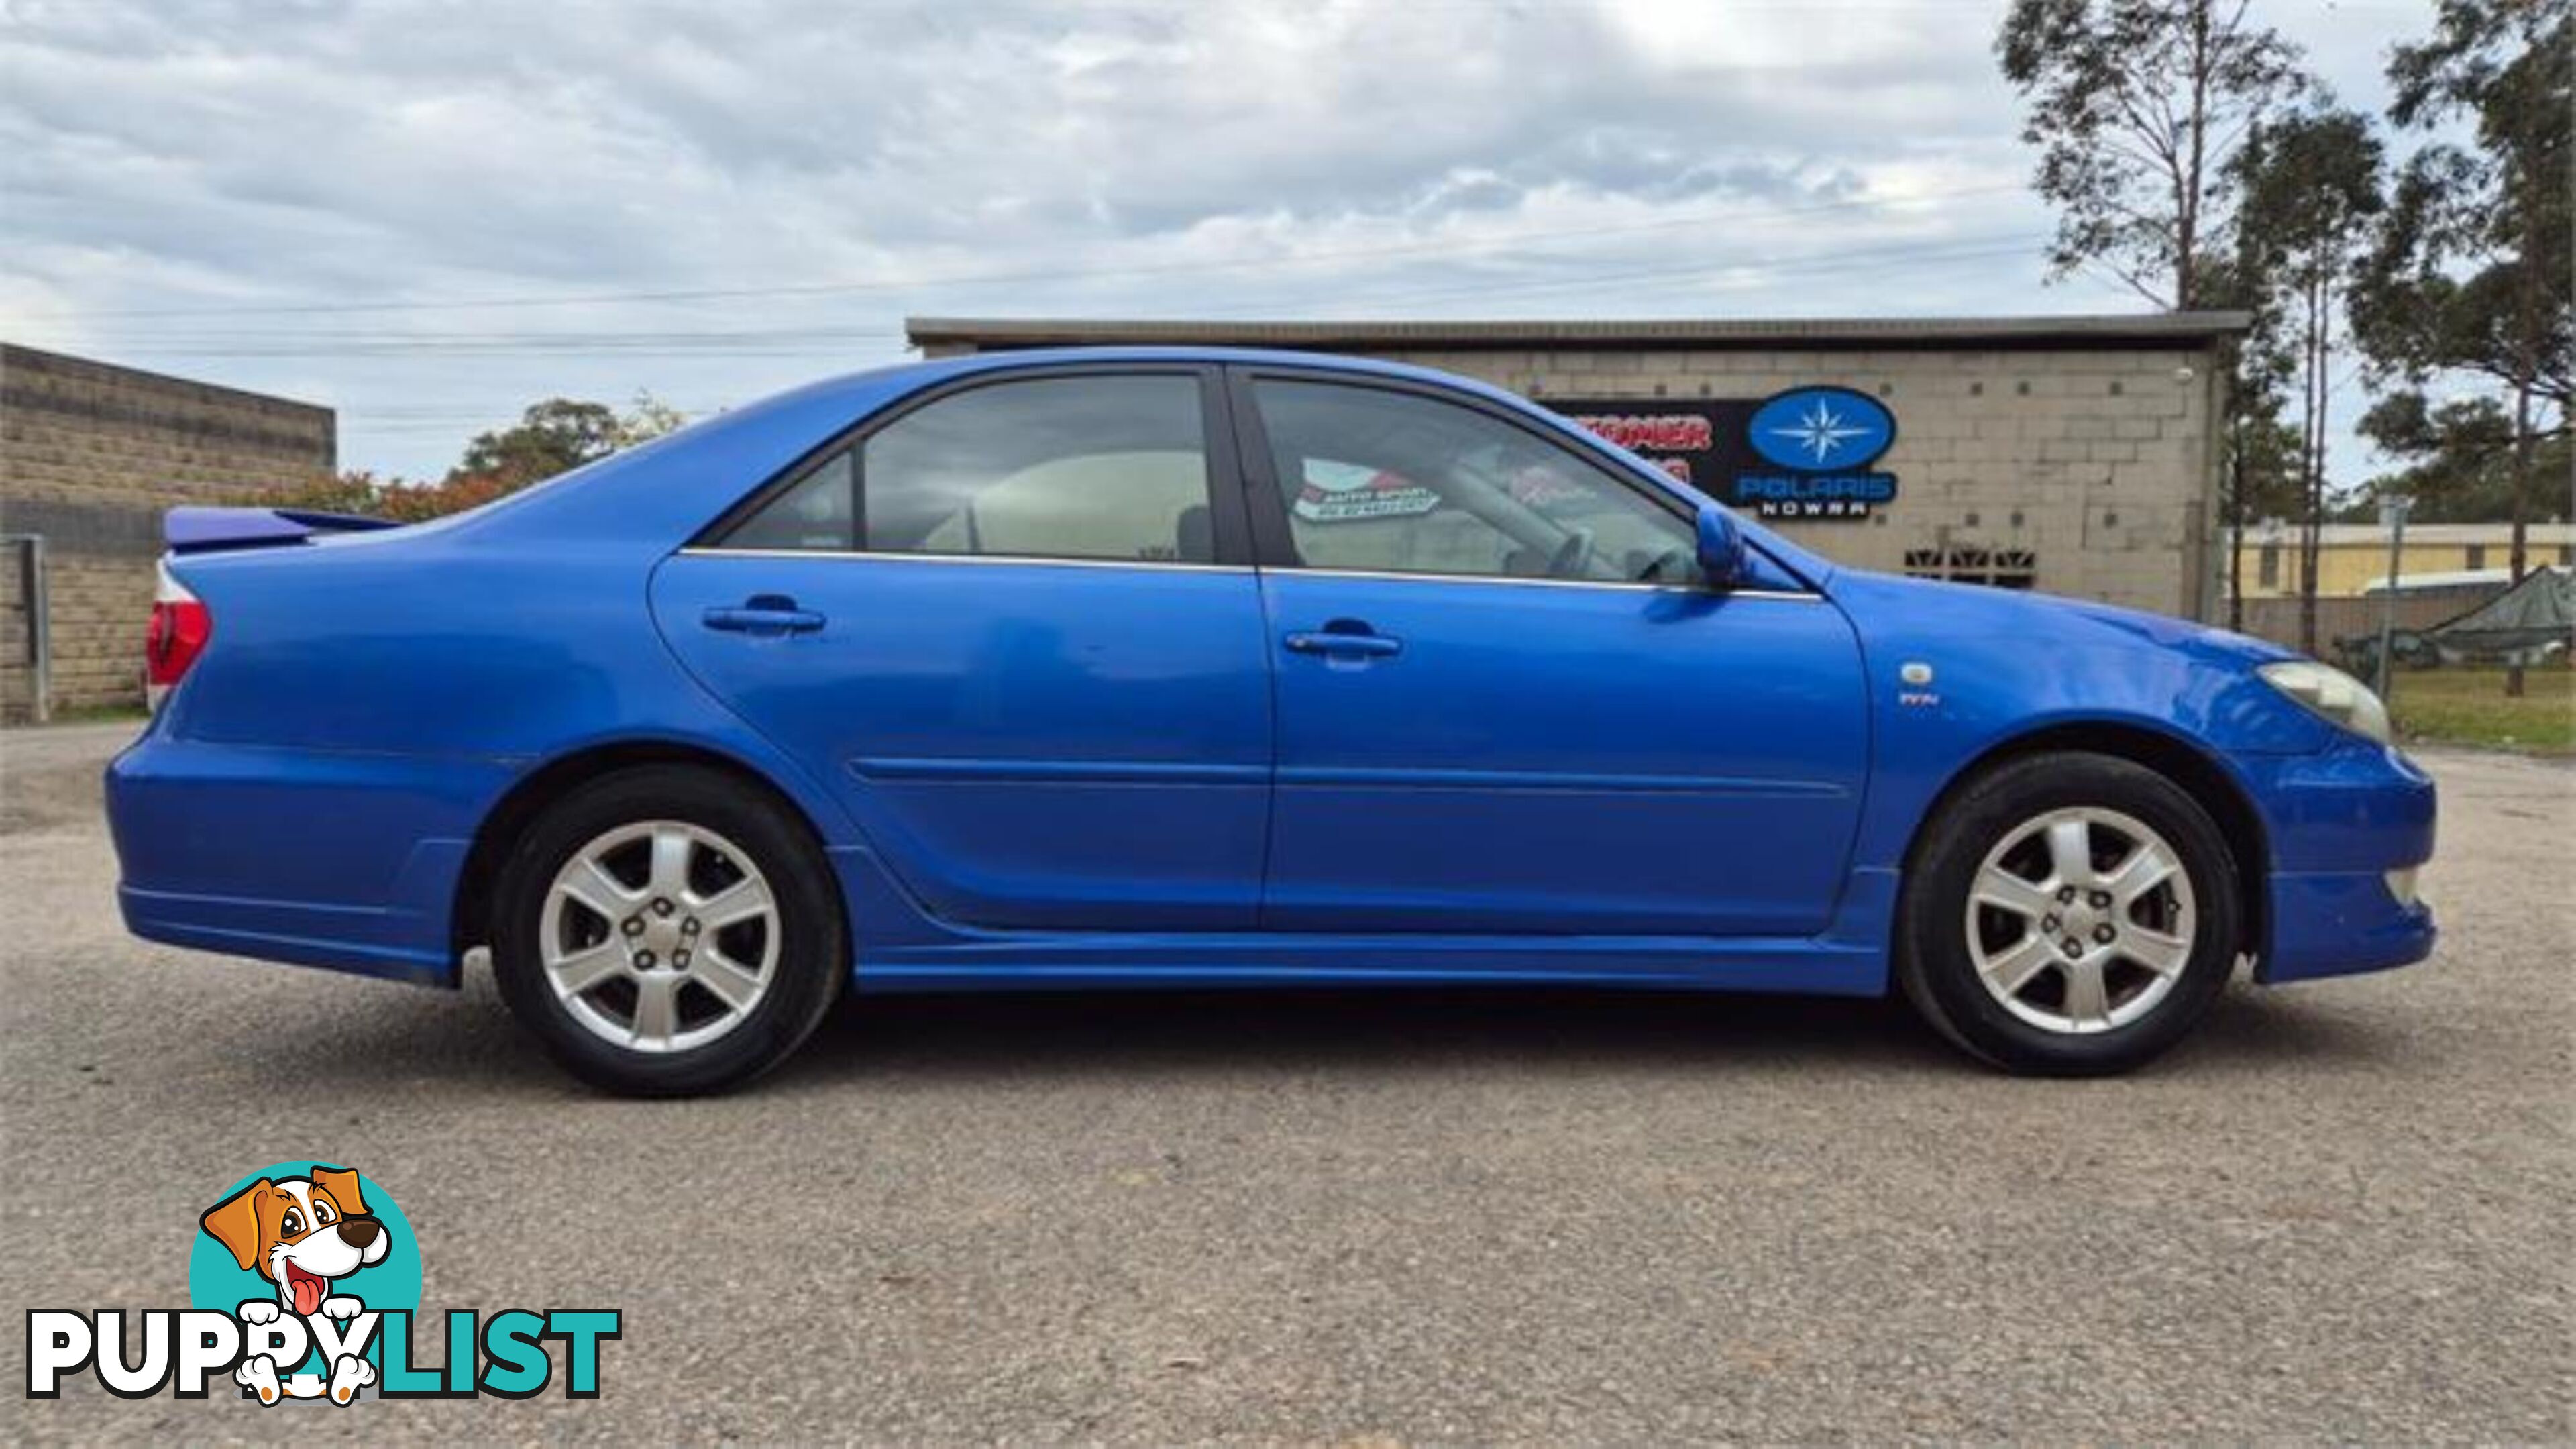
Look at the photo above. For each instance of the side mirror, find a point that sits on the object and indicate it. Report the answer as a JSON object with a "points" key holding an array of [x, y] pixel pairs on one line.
{"points": [[1721, 547]]}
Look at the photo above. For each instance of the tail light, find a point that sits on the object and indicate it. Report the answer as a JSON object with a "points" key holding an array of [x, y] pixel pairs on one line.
{"points": [[181, 625]]}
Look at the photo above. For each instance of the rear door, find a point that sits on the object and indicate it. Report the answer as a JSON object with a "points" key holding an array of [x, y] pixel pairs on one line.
{"points": [[1505, 701], [1015, 627]]}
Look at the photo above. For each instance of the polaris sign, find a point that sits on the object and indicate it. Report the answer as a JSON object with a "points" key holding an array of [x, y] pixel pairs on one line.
{"points": [[1803, 454]]}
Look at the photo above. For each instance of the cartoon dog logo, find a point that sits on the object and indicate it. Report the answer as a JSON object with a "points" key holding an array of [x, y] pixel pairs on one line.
{"points": [[302, 1234]]}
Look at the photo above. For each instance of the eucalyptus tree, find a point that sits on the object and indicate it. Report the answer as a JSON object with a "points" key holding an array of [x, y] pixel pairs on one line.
{"points": [[2468, 293], [2314, 187], [2138, 108]]}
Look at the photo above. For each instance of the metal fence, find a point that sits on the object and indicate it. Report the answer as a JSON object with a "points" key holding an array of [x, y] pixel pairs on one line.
{"points": [[2278, 619], [26, 629]]}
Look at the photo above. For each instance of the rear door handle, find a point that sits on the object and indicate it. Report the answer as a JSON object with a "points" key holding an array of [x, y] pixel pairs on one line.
{"points": [[768, 615], [1334, 642]]}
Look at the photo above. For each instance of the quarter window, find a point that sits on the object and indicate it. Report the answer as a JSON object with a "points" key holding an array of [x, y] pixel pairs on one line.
{"points": [[817, 513], [1108, 468], [1393, 482]]}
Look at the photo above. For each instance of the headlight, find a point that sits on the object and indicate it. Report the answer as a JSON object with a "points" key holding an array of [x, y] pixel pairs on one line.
{"points": [[2332, 694]]}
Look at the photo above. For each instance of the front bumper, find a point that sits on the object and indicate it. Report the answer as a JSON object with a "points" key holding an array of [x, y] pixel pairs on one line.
{"points": [[2340, 823]]}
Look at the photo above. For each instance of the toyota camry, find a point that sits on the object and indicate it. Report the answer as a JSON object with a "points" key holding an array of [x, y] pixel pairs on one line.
{"points": [[1189, 667]]}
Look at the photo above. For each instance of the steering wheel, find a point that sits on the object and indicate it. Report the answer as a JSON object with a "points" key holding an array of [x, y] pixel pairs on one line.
{"points": [[1573, 557], [1670, 565]]}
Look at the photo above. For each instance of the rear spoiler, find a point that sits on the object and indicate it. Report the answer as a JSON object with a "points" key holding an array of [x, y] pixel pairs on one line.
{"points": [[204, 530]]}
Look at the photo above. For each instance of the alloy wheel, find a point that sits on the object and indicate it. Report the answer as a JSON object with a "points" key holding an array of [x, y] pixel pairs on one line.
{"points": [[659, 936], [2081, 920]]}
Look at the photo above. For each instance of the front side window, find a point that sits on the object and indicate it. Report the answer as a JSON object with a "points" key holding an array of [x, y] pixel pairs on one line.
{"points": [[1398, 483], [1111, 468]]}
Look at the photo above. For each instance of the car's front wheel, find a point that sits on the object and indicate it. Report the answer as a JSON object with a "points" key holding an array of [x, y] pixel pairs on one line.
{"points": [[2069, 914], [663, 931]]}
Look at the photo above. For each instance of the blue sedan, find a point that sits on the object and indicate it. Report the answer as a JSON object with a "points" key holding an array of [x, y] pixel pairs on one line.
{"points": [[1187, 667]]}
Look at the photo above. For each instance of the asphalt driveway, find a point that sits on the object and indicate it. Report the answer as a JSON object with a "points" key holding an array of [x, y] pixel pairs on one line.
{"points": [[2343, 1211]]}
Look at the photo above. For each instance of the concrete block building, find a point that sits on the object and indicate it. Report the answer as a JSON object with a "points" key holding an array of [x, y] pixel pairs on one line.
{"points": [[2072, 454], [2352, 558], [91, 454]]}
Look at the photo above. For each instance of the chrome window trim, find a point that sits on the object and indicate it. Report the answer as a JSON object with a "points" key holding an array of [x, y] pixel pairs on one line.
{"points": [[719, 551], [1621, 585], [1041, 560]]}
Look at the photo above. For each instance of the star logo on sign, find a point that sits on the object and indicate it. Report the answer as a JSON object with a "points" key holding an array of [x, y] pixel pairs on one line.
{"points": [[1821, 431]]}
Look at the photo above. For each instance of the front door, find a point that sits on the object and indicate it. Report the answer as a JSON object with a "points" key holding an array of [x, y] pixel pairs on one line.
{"points": [[1505, 702], [1014, 630]]}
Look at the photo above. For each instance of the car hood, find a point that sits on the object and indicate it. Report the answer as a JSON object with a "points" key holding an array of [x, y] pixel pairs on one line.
{"points": [[1934, 606], [1986, 663]]}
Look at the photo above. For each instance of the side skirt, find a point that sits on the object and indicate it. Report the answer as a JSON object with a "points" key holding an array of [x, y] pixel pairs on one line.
{"points": [[901, 950]]}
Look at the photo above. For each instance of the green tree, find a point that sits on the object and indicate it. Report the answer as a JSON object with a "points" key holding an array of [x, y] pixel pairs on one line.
{"points": [[2259, 453], [551, 437], [2313, 188], [554, 436], [560, 434], [2470, 286], [648, 419], [2458, 456], [2261, 481], [2137, 108], [353, 490]]}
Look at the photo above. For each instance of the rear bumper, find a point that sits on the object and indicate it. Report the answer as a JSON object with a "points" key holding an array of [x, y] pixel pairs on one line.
{"points": [[320, 858], [2341, 822], [367, 941]]}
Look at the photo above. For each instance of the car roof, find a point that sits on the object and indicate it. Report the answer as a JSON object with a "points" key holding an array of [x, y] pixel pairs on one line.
{"points": [[904, 377]]}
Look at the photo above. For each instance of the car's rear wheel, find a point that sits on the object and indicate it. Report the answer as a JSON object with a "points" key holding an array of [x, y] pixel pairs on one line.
{"points": [[2069, 915], [663, 931]]}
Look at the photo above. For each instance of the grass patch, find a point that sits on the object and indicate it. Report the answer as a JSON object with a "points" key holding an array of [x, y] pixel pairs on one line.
{"points": [[2469, 707]]}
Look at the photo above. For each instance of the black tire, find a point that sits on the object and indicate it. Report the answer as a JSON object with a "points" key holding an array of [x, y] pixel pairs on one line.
{"points": [[1934, 963], [806, 978]]}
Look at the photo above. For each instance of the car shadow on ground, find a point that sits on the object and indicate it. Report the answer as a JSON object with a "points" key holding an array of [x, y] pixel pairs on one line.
{"points": [[2256, 1029], [1375, 1029], [1088, 1035], [1092, 1036]]}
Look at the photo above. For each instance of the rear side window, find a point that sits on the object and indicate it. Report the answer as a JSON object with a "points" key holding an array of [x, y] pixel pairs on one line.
{"points": [[1110, 468]]}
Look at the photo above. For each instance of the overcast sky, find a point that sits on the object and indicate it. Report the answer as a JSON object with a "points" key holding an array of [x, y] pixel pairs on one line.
{"points": [[429, 215]]}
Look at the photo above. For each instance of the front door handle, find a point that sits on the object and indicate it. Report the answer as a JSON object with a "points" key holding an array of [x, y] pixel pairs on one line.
{"points": [[767, 615], [1346, 644]]}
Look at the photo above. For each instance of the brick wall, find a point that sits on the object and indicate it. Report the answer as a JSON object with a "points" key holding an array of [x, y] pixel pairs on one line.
{"points": [[2098, 464], [90, 456]]}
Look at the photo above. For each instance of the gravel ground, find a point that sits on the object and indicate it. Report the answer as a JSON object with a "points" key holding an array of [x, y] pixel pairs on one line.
{"points": [[2341, 1212]]}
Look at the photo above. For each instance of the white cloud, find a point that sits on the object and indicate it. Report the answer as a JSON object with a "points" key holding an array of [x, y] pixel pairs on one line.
{"points": [[173, 179]]}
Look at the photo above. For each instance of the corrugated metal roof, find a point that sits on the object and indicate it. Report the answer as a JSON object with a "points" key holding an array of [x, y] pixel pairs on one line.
{"points": [[2160, 329]]}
